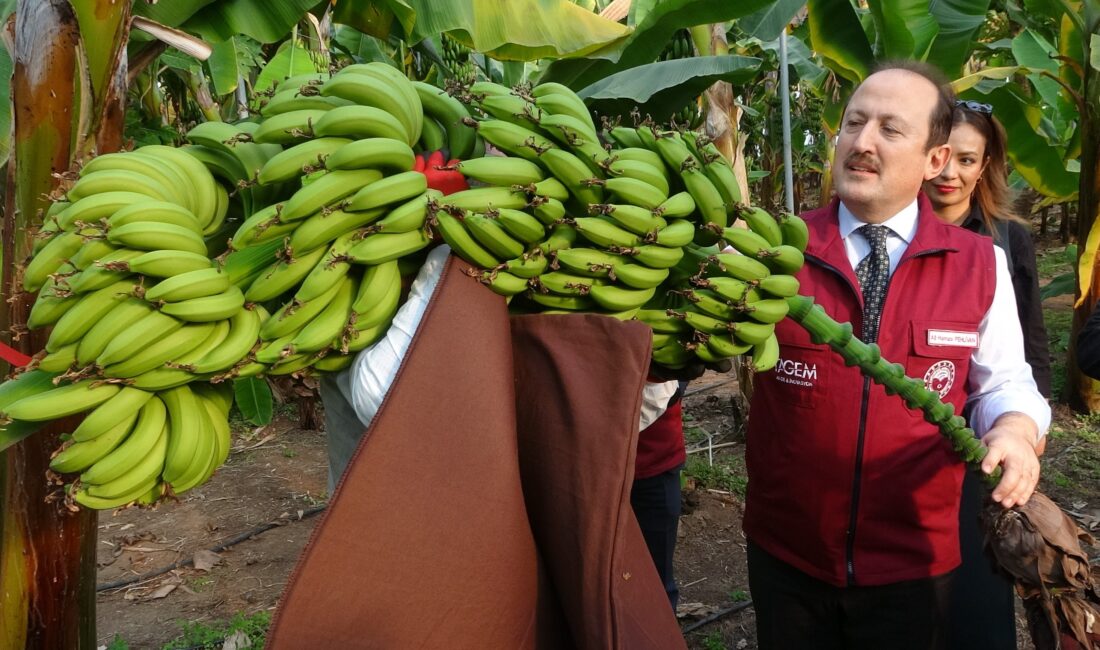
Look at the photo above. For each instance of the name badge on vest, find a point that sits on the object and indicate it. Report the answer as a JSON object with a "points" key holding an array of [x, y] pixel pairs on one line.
{"points": [[953, 338]]}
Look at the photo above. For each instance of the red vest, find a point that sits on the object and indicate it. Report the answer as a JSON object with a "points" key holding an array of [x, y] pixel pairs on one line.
{"points": [[846, 483], [661, 444]]}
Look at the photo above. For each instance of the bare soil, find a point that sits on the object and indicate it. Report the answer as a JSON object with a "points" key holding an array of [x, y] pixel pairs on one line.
{"points": [[278, 474]]}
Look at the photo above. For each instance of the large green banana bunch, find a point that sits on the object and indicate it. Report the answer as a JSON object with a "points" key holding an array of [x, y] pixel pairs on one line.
{"points": [[625, 227], [160, 283]]}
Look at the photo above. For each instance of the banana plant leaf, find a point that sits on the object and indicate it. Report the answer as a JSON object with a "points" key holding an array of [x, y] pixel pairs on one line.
{"points": [[800, 58], [358, 45], [233, 59], [768, 23], [661, 89], [904, 28], [518, 30], [649, 38], [266, 21], [254, 400], [289, 60], [1035, 158], [102, 35], [1030, 49], [959, 23], [837, 35], [374, 17]]}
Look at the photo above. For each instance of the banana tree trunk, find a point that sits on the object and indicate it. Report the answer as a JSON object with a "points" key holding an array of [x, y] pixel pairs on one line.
{"points": [[1083, 392], [67, 95]]}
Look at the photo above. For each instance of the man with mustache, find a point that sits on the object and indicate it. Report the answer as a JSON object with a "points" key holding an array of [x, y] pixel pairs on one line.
{"points": [[852, 504]]}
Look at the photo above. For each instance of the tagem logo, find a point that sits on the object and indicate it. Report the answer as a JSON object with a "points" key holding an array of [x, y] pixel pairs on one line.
{"points": [[940, 378], [799, 373]]}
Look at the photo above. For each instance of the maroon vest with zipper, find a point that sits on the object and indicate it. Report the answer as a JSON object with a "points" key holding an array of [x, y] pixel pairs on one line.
{"points": [[846, 483]]}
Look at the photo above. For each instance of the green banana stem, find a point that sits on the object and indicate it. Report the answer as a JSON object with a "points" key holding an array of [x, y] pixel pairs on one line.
{"points": [[838, 336]]}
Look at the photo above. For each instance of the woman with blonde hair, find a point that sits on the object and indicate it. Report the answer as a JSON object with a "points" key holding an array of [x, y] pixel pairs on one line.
{"points": [[972, 192]]}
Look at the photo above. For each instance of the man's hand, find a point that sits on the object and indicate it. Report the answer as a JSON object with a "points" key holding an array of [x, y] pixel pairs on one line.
{"points": [[1011, 443]]}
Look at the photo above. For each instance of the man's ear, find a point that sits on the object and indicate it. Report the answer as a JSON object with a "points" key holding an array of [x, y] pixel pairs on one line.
{"points": [[937, 160]]}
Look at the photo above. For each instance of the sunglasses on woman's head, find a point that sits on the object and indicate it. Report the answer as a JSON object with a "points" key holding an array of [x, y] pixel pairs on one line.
{"points": [[977, 107]]}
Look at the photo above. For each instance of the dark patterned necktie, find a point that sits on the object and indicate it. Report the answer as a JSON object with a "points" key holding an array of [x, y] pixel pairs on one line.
{"points": [[873, 273]]}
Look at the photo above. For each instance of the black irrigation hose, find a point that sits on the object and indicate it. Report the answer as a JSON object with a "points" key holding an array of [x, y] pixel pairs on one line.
{"points": [[700, 389], [248, 534], [715, 616]]}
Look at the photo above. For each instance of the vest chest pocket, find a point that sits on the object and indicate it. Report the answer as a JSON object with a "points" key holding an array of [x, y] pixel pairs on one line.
{"points": [[940, 354], [799, 375]]}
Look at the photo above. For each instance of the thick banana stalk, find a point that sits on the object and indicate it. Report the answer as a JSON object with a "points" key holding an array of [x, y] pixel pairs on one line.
{"points": [[868, 357]]}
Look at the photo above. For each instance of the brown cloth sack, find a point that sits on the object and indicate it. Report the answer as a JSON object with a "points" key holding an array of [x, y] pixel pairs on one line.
{"points": [[579, 382], [427, 544]]}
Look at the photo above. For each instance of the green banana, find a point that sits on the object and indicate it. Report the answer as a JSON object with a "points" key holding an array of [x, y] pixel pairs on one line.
{"points": [[587, 261], [654, 255], [359, 122], [780, 286], [502, 171], [283, 275], [80, 318], [147, 426], [761, 222], [636, 219], [207, 308], [678, 233], [746, 242], [642, 171], [639, 276], [162, 351], [186, 426], [411, 215], [324, 227], [483, 199], [156, 211], [293, 315], [383, 247], [104, 273], [144, 332], [292, 162], [782, 259], [521, 225], [378, 295], [765, 354], [244, 332], [739, 266], [677, 206], [97, 207], [50, 259], [194, 284], [327, 326], [492, 236], [604, 233], [373, 153], [392, 189], [330, 269], [513, 139], [167, 263], [766, 310], [617, 298], [62, 401], [327, 190], [374, 87], [450, 113], [79, 456], [636, 192], [153, 236], [795, 232], [572, 171], [291, 127]]}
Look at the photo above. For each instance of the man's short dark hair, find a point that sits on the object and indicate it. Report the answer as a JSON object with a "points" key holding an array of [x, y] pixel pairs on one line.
{"points": [[939, 126]]}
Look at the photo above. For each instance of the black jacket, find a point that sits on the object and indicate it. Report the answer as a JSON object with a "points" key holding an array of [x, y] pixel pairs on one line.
{"points": [[1088, 346], [1015, 239]]}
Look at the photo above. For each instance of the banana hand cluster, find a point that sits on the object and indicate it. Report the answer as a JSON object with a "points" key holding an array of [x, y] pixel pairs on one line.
{"points": [[629, 230]]}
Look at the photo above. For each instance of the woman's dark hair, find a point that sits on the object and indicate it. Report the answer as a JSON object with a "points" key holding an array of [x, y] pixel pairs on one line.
{"points": [[991, 191]]}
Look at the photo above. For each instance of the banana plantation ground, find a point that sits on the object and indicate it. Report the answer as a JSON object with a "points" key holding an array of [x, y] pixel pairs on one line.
{"points": [[275, 482]]}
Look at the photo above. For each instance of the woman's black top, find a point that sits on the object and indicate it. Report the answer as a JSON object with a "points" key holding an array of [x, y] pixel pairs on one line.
{"points": [[1015, 240]]}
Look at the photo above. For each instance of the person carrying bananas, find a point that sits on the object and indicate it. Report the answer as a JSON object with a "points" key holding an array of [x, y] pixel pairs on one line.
{"points": [[852, 507]]}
